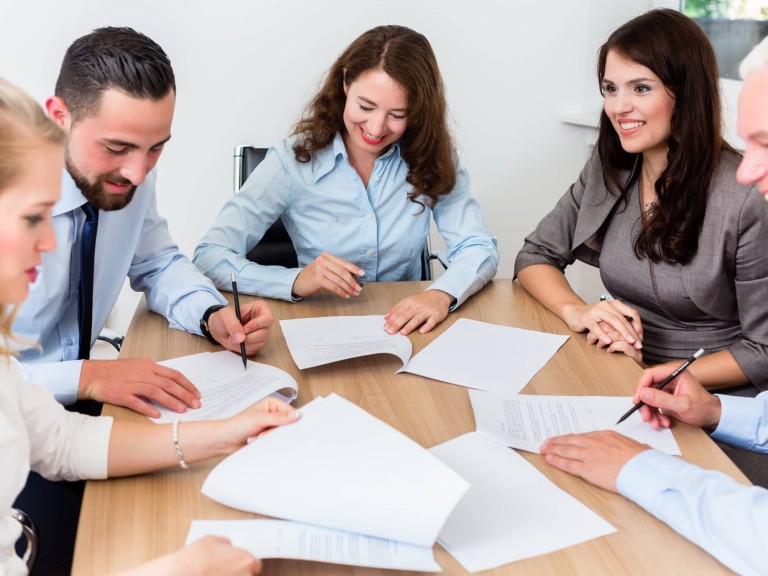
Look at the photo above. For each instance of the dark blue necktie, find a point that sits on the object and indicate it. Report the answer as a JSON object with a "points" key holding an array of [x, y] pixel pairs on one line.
{"points": [[85, 288]]}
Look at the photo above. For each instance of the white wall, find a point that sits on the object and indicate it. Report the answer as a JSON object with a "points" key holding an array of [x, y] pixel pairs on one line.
{"points": [[245, 68]]}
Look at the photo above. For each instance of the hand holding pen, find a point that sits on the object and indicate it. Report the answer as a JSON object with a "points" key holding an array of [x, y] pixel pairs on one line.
{"points": [[239, 319], [698, 354]]}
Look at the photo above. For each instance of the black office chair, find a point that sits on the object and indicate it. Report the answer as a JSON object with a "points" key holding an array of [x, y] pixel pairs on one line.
{"points": [[276, 248]]}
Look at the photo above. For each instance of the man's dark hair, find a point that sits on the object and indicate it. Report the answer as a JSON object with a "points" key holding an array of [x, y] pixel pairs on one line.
{"points": [[108, 58]]}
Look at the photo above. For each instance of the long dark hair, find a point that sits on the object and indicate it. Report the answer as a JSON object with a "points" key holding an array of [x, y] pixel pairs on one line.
{"points": [[407, 57], [676, 50]]}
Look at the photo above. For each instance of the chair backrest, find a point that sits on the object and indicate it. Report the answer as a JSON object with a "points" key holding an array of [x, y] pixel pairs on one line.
{"points": [[275, 248]]}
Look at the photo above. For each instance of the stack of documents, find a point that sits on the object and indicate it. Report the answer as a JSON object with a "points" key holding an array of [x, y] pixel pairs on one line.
{"points": [[226, 388], [340, 468]]}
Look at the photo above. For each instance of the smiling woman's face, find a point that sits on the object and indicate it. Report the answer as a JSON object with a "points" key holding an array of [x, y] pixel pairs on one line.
{"points": [[638, 105]]}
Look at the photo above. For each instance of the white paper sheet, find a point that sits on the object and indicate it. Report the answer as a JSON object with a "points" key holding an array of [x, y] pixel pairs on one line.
{"points": [[524, 421], [512, 511], [485, 356], [317, 341], [226, 388], [342, 469], [284, 539]]}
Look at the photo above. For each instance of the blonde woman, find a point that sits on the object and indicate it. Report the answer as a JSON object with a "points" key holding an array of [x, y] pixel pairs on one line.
{"points": [[35, 431]]}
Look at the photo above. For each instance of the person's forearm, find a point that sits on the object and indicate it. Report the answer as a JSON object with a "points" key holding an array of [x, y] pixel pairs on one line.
{"points": [[717, 371], [549, 286], [135, 448]]}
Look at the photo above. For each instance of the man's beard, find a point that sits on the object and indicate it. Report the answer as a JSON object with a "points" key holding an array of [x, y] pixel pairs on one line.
{"points": [[97, 195]]}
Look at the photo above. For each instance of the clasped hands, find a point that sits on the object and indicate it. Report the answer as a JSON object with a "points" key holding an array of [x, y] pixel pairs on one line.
{"points": [[338, 276], [137, 382], [609, 324]]}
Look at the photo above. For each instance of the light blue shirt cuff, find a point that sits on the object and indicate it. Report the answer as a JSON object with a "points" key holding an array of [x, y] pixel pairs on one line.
{"points": [[62, 379], [646, 476], [740, 422], [188, 311]]}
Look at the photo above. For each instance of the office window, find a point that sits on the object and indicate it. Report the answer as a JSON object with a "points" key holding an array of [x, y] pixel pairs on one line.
{"points": [[733, 27]]}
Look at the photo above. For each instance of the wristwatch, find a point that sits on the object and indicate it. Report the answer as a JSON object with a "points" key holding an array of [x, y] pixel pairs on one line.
{"points": [[204, 322]]}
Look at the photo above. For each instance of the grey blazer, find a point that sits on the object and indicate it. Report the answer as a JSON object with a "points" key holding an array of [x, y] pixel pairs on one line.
{"points": [[727, 278]]}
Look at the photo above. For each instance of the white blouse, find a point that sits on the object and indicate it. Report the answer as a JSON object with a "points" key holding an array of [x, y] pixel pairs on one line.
{"points": [[37, 433]]}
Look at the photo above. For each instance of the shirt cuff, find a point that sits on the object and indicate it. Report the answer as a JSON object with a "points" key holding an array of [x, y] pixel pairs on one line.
{"points": [[188, 311], [740, 420], [646, 476], [93, 453], [62, 379]]}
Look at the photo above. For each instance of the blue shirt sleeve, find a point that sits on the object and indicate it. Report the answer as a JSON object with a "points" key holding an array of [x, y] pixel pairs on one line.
{"points": [[726, 518], [744, 422]]}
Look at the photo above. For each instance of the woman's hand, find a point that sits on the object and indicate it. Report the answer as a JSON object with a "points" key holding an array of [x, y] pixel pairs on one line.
{"points": [[427, 310], [610, 315], [328, 272], [209, 556], [618, 344], [252, 422]]}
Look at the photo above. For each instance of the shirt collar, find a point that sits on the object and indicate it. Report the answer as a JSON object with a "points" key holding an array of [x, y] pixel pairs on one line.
{"points": [[71, 197], [325, 160]]}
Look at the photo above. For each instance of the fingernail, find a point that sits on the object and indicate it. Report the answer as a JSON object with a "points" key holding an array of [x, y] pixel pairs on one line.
{"points": [[195, 403], [638, 345], [630, 340]]}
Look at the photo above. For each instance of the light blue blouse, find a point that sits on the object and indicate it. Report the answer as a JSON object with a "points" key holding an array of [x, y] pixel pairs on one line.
{"points": [[326, 208], [727, 519]]}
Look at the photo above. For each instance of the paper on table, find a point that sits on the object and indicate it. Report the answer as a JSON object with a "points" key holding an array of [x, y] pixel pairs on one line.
{"points": [[284, 539], [524, 421], [344, 469], [512, 511], [485, 356], [317, 341], [226, 389]]}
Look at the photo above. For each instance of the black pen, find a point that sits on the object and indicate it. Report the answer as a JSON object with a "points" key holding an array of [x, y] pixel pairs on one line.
{"points": [[237, 311], [698, 354]]}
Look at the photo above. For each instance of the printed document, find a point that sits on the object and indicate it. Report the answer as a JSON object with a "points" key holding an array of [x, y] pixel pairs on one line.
{"points": [[316, 341], [512, 511], [524, 421], [284, 539], [226, 388], [341, 468], [486, 356]]}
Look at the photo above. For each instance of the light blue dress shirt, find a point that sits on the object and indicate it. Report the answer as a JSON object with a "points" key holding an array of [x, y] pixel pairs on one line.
{"points": [[727, 519], [134, 241], [326, 208]]}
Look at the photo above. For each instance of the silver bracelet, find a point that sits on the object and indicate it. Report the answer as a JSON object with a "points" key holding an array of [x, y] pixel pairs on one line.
{"points": [[176, 446]]}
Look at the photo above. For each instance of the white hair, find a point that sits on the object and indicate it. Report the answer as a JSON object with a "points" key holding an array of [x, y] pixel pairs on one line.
{"points": [[756, 60]]}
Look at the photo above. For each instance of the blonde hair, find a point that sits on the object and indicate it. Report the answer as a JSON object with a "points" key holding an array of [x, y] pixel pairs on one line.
{"points": [[24, 126], [755, 61]]}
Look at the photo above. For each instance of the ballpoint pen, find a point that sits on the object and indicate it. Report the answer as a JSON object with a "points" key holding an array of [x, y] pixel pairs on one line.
{"points": [[698, 354], [239, 319]]}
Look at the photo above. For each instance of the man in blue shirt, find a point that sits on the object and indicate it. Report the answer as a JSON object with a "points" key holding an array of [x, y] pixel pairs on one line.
{"points": [[727, 519], [115, 97]]}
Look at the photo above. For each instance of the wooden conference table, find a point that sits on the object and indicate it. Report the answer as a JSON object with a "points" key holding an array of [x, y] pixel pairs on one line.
{"points": [[131, 520]]}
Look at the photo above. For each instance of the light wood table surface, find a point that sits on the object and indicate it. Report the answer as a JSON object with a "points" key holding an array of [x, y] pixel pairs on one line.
{"points": [[131, 520]]}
